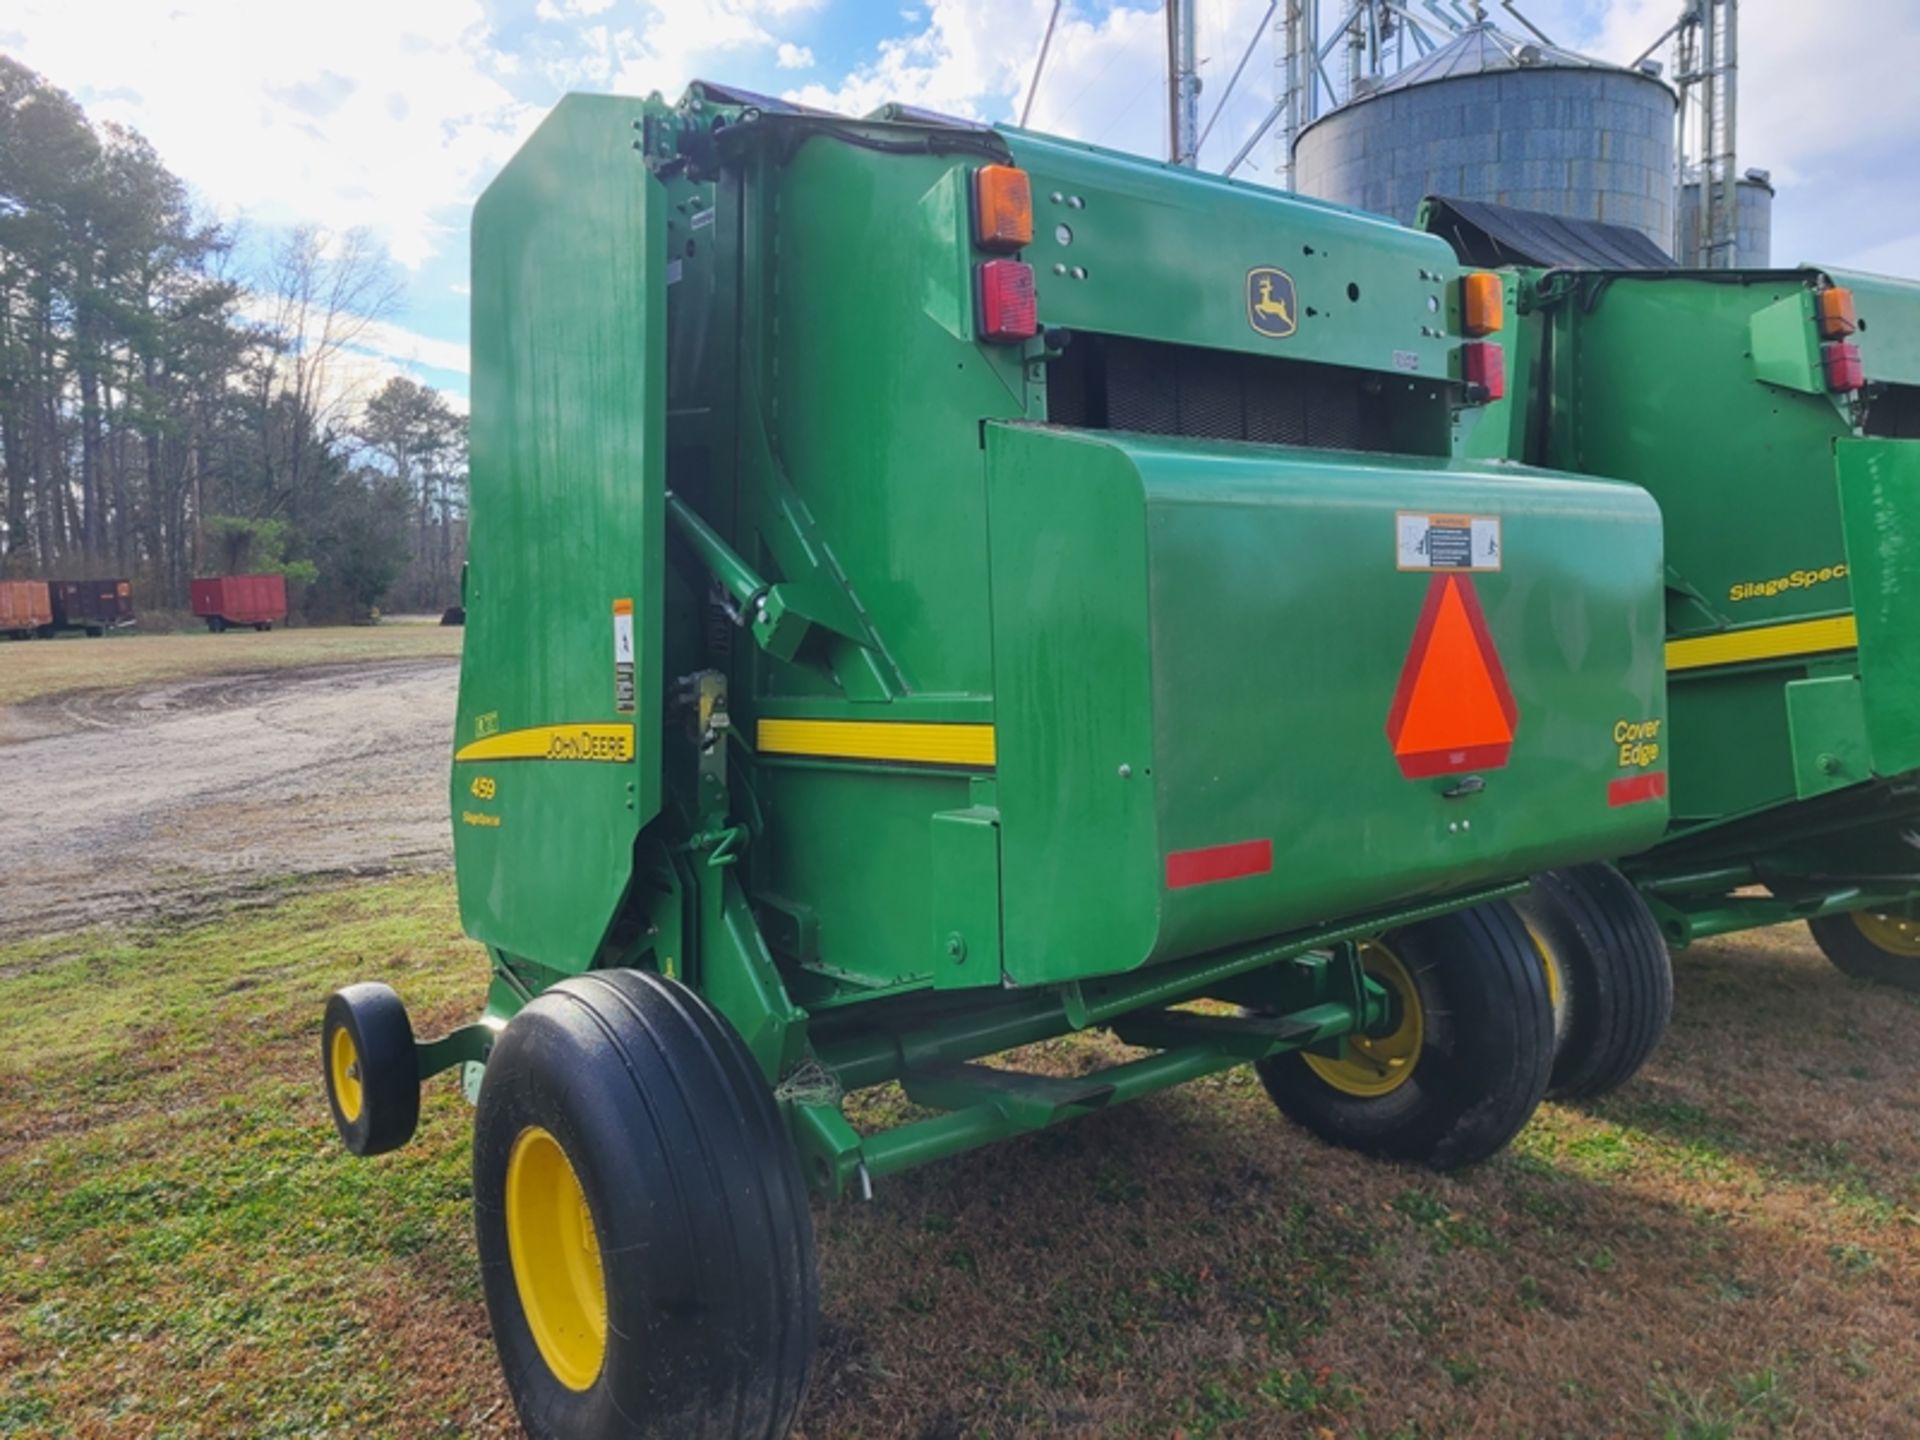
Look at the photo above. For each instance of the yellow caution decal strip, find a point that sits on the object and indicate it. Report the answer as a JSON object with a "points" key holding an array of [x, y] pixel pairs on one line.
{"points": [[906, 742], [1766, 642], [610, 744]]}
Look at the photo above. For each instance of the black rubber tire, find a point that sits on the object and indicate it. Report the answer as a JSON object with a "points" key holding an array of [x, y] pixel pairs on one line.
{"points": [[1616, 977], [697, 1203], [1853, 953], [389, 1068], [1483, 1064], [216, 624]]}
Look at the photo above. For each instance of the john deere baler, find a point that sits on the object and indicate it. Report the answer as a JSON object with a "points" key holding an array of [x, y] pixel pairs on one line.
{"points": [[935, 588], [1775, 416]]}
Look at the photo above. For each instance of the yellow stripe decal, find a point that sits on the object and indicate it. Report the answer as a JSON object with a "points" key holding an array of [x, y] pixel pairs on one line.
{"points": [[612, 744], [1768, 642], [907, 741]]}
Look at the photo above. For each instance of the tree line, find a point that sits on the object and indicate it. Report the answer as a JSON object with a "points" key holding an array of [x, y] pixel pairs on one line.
{"points": [[163, 416]]}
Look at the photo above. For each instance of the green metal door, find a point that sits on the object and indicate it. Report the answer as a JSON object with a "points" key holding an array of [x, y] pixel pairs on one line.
{"points": [[557, 755]]}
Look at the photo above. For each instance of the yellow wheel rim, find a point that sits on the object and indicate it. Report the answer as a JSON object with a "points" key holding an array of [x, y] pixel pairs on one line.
{"points": [[1552, 969], [556, 1259], [1376, 1065], [343, 1065], [1895, 934]]}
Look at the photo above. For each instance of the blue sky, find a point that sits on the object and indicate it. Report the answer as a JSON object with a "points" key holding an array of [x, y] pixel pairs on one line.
{"points": [[393, 114]]}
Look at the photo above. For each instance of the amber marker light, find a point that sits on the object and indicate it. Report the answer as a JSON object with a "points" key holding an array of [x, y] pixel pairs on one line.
{"points": [[1002, 208], [1482, 305], [1834, 306]]}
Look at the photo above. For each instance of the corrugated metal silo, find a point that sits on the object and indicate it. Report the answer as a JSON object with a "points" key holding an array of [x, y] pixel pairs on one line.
{"points": [[1491, 117], [1753, 223]]}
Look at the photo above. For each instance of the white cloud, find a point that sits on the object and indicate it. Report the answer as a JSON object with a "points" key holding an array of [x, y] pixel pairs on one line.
{"points": [[378, 351], [554, 10], [669, 43], [967, 61], [1104, 81], [409, 347], [360, 112], [794, 57]]}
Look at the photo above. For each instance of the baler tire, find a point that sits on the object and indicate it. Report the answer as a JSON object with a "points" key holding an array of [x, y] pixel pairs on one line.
{"points": [[1472, 1085], [1615, 976], [676, 1170], [371, 1065], [1845, 940]]}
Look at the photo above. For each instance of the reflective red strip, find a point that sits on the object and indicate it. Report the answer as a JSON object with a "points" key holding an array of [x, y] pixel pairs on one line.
{"points": [[1446, 762], [1635, 788], [1219, 862]]}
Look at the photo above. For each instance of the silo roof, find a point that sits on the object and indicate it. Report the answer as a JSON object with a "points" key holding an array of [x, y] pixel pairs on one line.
{"points": [[1485, 50]]}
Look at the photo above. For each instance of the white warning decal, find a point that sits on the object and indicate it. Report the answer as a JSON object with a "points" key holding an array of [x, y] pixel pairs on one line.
{"points": [[623, 693], [1447, 542]]}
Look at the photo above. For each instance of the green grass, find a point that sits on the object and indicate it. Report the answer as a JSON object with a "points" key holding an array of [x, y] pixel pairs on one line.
{"points": [[186, 1251]]}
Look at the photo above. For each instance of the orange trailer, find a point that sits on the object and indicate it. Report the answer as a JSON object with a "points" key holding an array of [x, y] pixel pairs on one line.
{"points": [[25, 607]]}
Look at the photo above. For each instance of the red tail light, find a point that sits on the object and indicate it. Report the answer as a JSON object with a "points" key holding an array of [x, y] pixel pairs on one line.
{"points": [[1843, 366], [1484, 364], [1008, 311]]}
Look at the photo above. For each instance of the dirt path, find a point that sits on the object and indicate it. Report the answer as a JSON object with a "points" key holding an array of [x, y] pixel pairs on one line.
{"points": [[165, 800]]}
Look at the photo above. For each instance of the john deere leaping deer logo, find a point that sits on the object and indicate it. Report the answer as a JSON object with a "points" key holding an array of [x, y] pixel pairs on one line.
{"points": [[1270, 302]]}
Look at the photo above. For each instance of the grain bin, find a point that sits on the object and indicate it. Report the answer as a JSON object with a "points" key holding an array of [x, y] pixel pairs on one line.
{"points": [[1753, 223], [1491, 117]]}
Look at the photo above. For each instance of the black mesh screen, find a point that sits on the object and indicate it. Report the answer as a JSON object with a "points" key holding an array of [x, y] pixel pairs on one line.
{"points": [[1108, 382]]}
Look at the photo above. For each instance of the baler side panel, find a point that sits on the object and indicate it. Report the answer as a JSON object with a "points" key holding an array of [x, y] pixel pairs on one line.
{"points": [[858, 356], [1654, 386], [1073, 680], [557, 761], [1198, 648], [1880, 510]]}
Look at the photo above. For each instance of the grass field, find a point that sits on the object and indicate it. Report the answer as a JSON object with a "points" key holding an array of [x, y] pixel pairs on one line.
{"points": [[44, 669], [1726, 1248]]}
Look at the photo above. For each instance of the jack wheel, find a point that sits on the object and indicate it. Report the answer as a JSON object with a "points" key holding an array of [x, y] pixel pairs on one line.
{"points": [[372, 1070], [1465, 1061], [1882, 945], [645, 1241], [1609, 970]]}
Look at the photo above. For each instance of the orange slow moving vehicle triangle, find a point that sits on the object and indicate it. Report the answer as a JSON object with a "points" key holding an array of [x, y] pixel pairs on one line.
{"points": [[1453, 710]]}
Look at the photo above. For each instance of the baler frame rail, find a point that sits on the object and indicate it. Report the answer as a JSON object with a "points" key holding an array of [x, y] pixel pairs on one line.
{"points": [[1311, 990]]}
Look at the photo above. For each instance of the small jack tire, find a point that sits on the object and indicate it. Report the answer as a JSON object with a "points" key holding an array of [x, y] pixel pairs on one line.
{"points": [[372, 1068], [1878, 945], [1609, 971], [1466, 1061]]}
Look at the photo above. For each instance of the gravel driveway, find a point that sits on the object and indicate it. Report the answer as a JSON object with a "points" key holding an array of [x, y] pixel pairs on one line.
{"points": [[180, 797]]}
